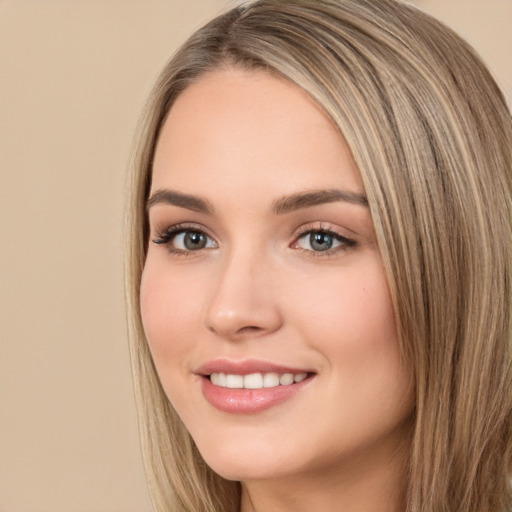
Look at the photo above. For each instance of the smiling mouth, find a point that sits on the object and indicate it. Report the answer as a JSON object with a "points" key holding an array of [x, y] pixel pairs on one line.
{"points": [[256, 380], [250, 387]]}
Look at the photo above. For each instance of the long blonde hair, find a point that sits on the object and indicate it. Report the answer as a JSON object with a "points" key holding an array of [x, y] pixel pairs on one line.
{"points": [[432, 137]]}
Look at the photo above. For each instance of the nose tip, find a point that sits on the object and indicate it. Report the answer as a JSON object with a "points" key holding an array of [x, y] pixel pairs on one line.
{"points": [[237, 322], [242, 304], [233, 324]]}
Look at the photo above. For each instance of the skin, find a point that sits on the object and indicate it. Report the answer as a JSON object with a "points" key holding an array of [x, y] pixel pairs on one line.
{"points": [[241, 141]]}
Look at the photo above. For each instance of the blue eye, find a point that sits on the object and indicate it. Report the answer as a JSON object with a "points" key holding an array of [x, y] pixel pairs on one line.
{"points": [[323, 241], [179, 239]]}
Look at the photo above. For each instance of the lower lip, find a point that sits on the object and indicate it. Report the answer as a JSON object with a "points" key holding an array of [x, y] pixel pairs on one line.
{"points": [[246, 401]]}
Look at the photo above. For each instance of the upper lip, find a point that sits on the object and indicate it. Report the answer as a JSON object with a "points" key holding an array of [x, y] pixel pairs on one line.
{"points": [[245, 367]]}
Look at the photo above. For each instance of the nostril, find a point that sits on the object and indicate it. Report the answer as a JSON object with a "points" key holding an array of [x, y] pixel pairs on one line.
{"points": [[234, 315], [249, 329]]}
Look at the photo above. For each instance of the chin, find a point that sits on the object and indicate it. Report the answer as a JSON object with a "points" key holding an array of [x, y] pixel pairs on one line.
{"points": [[246, 463]]}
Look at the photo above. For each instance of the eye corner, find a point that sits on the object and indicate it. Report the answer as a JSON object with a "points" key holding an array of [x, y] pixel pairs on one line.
{"points": [[322, 241], [184, 239]]}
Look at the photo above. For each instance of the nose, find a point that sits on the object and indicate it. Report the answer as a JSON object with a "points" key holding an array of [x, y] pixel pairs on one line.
{"points": [[243, 301]]}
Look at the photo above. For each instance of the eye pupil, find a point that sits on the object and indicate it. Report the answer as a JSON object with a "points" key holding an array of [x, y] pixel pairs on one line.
{"points": [[320, 241], [194, 241]]}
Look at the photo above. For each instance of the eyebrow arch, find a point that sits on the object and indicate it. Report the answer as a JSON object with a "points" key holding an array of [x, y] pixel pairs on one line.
{"points": [[190, 202], [307, 199]]}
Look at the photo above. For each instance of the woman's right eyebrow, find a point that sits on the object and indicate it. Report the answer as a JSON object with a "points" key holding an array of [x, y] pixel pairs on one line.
{"points": [[172, 197]]}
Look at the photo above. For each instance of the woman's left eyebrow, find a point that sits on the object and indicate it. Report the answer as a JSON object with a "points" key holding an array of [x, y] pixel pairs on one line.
{"points": [[310, 198]]}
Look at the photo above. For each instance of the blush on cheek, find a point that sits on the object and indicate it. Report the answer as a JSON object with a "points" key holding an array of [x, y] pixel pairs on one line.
{"points": [[155, 313], [165, 312]]}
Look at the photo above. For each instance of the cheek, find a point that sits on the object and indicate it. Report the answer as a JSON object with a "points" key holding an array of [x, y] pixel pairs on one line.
{"points": [[165, 305], [350, 320], [350, 308]]}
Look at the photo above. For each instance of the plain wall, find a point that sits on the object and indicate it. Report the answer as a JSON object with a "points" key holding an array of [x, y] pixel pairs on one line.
{"points": [[74, 75]]}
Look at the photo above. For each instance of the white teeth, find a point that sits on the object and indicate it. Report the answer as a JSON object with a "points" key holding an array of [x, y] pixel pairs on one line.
{"points": [[234, 381], [270, 380], [255, 380], [219, 379], [286, 379]]}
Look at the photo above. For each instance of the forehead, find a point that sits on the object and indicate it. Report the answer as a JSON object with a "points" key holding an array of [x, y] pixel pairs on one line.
{"points": [[243, 127]]}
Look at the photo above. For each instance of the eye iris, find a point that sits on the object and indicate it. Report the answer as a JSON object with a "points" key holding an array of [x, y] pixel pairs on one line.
{"points": [[194, 241], [320, 241]]}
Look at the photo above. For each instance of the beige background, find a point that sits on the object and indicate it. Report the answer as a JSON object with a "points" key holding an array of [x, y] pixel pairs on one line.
{"points": [[73, 77]]}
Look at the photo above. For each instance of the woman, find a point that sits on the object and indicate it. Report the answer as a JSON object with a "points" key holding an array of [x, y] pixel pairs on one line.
{"points": [[320, 266]]}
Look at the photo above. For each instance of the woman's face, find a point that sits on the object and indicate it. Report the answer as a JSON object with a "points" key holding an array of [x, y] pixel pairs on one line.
{"points": [[263, 272]]}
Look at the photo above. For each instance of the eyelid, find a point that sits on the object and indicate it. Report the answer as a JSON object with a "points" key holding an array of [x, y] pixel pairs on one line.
{"points": [[303, 231], [166, 235]]}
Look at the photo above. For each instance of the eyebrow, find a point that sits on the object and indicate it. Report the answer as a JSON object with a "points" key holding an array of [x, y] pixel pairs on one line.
{"points": [[190, 202], [307, 199], [284, 204]]}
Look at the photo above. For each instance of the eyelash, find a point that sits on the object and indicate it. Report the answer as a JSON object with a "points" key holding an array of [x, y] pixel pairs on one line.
{"points": [[346, 243], [168, 235]]}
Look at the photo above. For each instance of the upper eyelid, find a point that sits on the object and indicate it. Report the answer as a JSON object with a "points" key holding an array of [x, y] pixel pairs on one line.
{"points": [[304, 230], [175, 229], [330, 232], [179, 227], [324, 227]]}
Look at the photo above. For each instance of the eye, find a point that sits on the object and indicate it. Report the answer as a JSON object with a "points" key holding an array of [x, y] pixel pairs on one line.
{"points": [[192, 241], [323, 240], [181, 239]]}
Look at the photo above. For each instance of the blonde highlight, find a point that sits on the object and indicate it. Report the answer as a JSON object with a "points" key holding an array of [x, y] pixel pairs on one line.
{"points": [[432, 138]]}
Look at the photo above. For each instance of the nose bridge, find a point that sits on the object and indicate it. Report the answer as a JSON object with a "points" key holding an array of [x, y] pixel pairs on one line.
{"points": [[243, 299]]}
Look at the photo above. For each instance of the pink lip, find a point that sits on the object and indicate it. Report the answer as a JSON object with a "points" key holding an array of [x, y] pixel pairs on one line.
{"points": [[246, 401], [246, 367]]}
